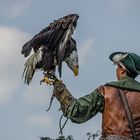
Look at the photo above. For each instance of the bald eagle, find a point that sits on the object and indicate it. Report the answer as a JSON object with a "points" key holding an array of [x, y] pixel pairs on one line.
{"points": [[51, 46]]}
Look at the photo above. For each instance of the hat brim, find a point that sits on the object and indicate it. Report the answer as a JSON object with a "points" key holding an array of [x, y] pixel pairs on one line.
{"points": [[117, 56]]}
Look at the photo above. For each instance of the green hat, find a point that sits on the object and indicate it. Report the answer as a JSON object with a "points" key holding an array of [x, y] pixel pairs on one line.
{"points": [[130, 61]]}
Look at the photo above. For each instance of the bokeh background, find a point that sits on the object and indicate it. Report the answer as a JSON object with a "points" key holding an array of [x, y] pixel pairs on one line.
{"points": [[104, 26]]}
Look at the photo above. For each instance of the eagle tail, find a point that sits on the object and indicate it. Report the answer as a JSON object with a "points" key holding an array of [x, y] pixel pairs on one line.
{"points": [[30, 66], [26, 49]]}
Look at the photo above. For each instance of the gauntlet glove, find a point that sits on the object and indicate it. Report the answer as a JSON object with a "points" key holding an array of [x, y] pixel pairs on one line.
{"points": [[63, 95]]}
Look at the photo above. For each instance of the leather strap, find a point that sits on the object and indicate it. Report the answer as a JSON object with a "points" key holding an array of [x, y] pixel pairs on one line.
{"points": [[128, 113]]}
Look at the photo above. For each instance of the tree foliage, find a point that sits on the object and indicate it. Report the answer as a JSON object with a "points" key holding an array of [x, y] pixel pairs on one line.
{"points": [[90, 136]]}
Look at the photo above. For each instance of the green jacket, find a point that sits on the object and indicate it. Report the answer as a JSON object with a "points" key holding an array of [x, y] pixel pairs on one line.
{"points": [[84, 108]]}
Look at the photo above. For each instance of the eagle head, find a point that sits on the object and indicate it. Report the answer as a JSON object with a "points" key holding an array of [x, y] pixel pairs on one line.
{"points": [[72, 62], [71, 56]]}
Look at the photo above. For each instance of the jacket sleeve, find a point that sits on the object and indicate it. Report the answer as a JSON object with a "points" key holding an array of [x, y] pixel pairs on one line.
{"points": [[84, 108]]}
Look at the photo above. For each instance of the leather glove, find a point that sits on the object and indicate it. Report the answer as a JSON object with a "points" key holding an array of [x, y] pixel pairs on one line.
{"points": [[62, 94]]}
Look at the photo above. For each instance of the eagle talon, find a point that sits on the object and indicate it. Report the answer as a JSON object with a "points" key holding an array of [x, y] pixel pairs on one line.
{"points": [[46, 80], [42, 81]]}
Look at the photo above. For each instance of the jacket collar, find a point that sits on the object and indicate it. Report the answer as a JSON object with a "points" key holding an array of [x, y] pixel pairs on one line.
{"points": [[127, 83]]}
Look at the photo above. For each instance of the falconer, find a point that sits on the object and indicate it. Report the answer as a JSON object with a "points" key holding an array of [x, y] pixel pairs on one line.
{"points": [[118, 101]]}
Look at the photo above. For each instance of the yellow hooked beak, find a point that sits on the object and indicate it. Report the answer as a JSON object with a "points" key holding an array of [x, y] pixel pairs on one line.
{"points": [[76, 69]]}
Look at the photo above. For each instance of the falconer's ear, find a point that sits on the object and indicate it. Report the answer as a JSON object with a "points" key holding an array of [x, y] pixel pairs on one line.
{"points": [[123, 70]]}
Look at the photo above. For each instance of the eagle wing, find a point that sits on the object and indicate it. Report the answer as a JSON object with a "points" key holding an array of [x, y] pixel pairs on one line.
{"points": [[33, 62], [61, 49], [36, 42], [49, 36]]}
